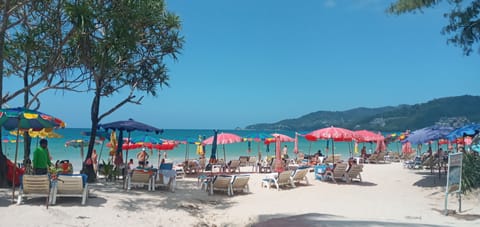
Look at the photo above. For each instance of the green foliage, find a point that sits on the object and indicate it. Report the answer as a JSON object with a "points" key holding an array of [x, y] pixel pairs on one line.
{"points": [[455, 111], [124, 43], [108, 170], [463, 27], [470, 172]]}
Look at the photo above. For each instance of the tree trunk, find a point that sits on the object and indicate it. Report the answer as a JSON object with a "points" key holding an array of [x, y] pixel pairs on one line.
{"points": [[26, 137], [88, 169], [3, 30]]}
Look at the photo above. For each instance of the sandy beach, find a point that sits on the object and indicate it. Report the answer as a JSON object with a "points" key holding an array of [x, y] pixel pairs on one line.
{"points": [[390, 195]]}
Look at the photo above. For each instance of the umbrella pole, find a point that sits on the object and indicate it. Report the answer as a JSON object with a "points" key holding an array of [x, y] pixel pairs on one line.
{"points": [[259, 152], [15, 164], [224, 154], [333, 152], [309, 148]]}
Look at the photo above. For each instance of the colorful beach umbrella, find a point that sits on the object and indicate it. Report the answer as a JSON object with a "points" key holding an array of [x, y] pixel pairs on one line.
{"points": [[223, 138], [25, 119], [44, 133]]}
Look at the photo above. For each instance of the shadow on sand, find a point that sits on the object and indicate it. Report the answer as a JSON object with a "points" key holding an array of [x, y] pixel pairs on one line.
{"points": [[316, 219]]}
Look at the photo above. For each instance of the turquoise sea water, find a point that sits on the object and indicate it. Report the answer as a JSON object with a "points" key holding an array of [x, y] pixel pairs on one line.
{"points": [[59, 151]]}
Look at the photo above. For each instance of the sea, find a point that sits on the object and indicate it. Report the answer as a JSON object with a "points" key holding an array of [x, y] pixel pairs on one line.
{"points": [[59, 150]]}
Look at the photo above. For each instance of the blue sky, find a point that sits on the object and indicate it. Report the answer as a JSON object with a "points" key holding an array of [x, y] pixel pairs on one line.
{"points": [[247, 62]]}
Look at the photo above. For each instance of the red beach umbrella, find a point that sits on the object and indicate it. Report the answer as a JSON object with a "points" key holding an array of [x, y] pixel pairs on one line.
{"points": [[224, 138], [333, 133], [367, 136], [283, 138]]}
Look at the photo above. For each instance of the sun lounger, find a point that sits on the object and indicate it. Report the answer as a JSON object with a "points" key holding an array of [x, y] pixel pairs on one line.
{"points": [[140, 177], [338, 172], [252, 161], [354, 173], [34, 185], [333, 159], [233, 166], [240, 183], [220, 183], [71, 185], [300, 175], [282, 179], [192, 166], [243, 160], [164, 178]]}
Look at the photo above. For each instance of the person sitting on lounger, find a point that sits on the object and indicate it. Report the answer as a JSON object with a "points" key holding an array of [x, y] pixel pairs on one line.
{"points": [[427, 154], [351, 162], [363, 153]]}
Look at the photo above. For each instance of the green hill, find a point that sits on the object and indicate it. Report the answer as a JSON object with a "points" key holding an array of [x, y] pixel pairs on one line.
{"points": [[453, 111]]}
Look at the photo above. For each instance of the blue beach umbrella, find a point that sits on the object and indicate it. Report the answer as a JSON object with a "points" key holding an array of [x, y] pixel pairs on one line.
{"points": [[129, 126], [146, 139], [427, 134], [466, 130]]}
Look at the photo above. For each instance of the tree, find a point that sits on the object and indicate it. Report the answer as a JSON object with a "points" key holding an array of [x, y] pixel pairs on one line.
{"points": [[122, 45], [464, 21], [36, 54], [34, 37]]}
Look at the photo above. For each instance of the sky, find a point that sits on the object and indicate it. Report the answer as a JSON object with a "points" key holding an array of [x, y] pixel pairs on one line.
{"points": [[250, 61]]}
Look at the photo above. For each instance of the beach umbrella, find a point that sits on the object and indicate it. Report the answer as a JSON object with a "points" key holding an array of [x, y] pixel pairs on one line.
{"points": [[146, 139], [223, 138], [407, 148], [23, 119], [278, 156], [113, 143], [362, 136], [380, 145], [466, 130], [213, 155], [44, 133], [129, 126], [295, 145], [258, 137], [282, 137], [79, 143], [428, 134], [333, 134]]}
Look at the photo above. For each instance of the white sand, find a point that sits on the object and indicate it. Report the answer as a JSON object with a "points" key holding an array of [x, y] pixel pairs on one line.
{"points": [[388, 195]]}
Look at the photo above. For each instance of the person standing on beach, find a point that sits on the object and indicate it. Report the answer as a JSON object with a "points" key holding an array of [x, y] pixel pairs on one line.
{"points": [[285, 154], [41, 159], [142, 157]]}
